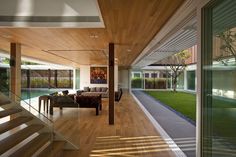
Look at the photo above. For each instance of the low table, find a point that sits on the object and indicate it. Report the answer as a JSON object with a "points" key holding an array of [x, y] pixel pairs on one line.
{"points": [[45, 99]]}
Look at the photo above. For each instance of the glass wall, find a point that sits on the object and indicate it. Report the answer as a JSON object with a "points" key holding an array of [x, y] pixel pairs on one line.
{"points": [[180, 82], [156, 79], [219, 79], [64, 79], [191, 80], [137, 80]]}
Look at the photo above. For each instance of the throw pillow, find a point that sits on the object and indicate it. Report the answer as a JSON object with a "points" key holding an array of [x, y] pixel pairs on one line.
{"points": [[86, 89], [93, 89], [104, 89], [98, 89]]}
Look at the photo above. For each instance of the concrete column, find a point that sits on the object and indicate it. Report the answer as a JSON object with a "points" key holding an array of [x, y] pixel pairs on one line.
{"points": [[130, 80], [15, 71], [111, 83]]}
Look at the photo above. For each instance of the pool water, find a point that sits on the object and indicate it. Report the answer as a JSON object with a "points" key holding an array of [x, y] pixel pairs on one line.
{"points": [[27, 94]]}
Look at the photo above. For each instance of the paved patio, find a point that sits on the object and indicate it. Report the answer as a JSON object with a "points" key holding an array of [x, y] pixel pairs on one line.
{"points": [[178, 128]]}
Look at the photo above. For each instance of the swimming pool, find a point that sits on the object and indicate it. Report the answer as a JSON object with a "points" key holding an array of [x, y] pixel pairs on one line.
{"points": [[31, 93]]}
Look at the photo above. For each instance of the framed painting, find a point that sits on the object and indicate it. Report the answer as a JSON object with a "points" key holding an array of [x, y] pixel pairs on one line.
{"points": [[98, 75]]}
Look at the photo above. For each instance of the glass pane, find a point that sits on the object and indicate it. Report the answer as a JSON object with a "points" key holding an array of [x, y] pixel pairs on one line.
{"points": [[191, 80], [220, 83], [65, 79], [77, 80], [180, 82], [136, 80]]}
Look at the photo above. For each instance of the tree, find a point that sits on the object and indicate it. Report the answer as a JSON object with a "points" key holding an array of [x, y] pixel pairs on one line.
{"points": [[177, 66], [228, 46]]}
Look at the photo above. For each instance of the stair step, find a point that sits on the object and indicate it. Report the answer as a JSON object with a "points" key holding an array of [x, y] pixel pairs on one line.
{"points": [[53, 150], [4, 102], [8, 112], [33, 146], [13, 123], [18, 137]]}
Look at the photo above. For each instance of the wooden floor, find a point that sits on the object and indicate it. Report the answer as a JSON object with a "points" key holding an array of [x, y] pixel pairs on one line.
{"points": [[132, 134]]}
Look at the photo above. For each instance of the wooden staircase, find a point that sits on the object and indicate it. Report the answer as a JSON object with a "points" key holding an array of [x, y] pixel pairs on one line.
{"points": [[24, 135]]}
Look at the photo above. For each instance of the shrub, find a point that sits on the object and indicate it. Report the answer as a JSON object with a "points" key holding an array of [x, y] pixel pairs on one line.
{"points": [[136, 83]]}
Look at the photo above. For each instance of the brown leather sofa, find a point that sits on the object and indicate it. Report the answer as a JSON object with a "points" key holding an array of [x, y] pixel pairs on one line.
{"points": [[90, 101], [94, 101]]}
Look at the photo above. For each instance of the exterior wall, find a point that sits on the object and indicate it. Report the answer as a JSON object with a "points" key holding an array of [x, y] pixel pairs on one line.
{"points": [[193, 58], [124, 79]]}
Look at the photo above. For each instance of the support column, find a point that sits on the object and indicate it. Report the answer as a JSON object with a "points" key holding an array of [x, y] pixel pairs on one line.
{"points": [[130, 80], [15, 71], [49, 78], [55, 79], [28, 78], [111, 83]]}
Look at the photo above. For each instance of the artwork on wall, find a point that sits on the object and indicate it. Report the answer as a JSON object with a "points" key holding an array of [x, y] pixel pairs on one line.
{"points": [[98, 75]]}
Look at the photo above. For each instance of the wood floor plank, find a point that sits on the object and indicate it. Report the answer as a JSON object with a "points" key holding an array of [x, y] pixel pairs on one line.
{"points": [[31, 147], [131, 135], [54, 149], [8, 112], [13, 123], [12, 140], [4, 102]]}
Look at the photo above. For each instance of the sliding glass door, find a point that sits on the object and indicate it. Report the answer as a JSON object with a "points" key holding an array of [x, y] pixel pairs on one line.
{"points": [[219, 79]]}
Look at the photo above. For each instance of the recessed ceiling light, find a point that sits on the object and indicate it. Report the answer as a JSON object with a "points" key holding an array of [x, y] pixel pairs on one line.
{"points": [[93, 36]]}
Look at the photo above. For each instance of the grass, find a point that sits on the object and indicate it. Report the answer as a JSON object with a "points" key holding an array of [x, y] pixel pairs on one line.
{"points": [[223, 118], [184, 103]]}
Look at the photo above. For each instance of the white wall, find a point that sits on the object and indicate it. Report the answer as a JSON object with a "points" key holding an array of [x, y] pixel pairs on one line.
{"points": [[124, 79], [85, 77]]}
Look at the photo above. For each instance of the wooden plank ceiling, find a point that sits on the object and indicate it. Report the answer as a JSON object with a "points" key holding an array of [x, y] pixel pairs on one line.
{"points": [[130, 24]]}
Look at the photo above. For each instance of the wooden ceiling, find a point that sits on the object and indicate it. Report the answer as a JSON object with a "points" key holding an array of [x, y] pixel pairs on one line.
{"points": [[130, 24]]}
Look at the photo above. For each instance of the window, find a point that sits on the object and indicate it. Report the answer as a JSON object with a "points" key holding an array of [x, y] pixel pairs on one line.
{"points": [[146, 75], [137, 75]]}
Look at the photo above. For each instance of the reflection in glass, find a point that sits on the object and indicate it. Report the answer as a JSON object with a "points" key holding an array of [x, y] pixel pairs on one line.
{"points": [[220, 90]]}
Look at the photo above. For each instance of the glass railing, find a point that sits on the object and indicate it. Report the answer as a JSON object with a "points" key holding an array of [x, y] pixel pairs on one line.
{"points": [[58, 110], [13, 101]]}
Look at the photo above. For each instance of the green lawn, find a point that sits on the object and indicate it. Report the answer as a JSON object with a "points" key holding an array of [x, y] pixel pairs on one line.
{"points": [[223, 110], [184, 103]]}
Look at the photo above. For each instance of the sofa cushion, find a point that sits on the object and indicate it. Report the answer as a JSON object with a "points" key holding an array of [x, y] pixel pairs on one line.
{"points": [[93, 89], [86, 89], [104, 89], [98, 89]]}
